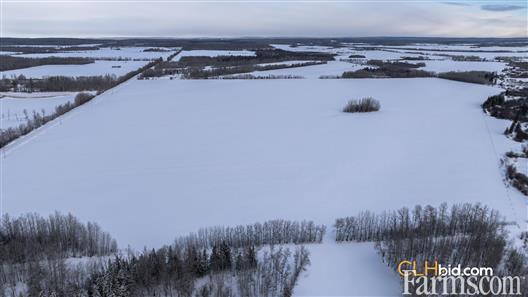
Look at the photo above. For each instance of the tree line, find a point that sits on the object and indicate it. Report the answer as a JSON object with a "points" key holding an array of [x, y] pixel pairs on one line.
{"points": [[269, 232], [37, 119], [10, 62]]}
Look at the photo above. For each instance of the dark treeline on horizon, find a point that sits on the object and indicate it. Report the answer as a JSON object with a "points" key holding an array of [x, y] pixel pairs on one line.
{"points": [[255, 42]]}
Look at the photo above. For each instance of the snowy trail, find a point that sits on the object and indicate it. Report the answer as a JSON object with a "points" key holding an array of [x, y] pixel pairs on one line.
{"points": [[336, 267]]}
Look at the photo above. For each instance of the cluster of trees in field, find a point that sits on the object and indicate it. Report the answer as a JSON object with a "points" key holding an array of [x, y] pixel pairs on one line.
{"points": [[476, 77], [157, 49], [414, 58], [37, 119], [394, 66], [468, 234], [269, 232], [11, 62], [63, 83], [383, 69], [465, 58], [367, 104], [219, 261]]}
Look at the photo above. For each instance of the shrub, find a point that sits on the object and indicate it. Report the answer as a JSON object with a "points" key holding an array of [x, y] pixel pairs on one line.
{"points": [[367, 104], [82, 98], [517, 179], [493, 101]]}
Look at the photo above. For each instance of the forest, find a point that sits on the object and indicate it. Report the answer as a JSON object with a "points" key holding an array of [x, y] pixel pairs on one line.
{"points": [[60, 256], [471, 235]]}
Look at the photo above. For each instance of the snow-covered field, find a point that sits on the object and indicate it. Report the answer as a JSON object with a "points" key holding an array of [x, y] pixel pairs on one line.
{"points": [[484, 55], [458, 47], [315, 71], [450, 65], [174, 156], [213, 53], [99, 67], [13, 105]]}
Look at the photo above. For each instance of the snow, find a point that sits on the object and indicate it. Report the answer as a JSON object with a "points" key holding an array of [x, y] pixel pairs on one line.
{"points": [[99, 67], [357, 263], [106, 52], [315, 71], [450, 65], [171, 156], [305, 48], [484, 55], [12, 106], [344, 52], [397, 52], [384, 55], [3, 53], [291, 62], [213, 53], [459, 47]]}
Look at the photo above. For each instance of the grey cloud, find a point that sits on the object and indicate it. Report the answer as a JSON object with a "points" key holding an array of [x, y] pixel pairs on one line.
{"points": [[457, 3], [501, 7]]}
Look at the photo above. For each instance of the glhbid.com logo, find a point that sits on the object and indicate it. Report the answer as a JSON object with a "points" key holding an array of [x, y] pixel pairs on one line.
{"points": [[433, 278]]}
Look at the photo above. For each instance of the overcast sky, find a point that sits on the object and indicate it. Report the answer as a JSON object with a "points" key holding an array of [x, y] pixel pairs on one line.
{"points": [[188, 18]]}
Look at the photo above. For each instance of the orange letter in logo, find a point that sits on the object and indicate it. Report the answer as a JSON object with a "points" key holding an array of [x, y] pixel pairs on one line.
{"points": [[400, 271], [432, 268]]}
